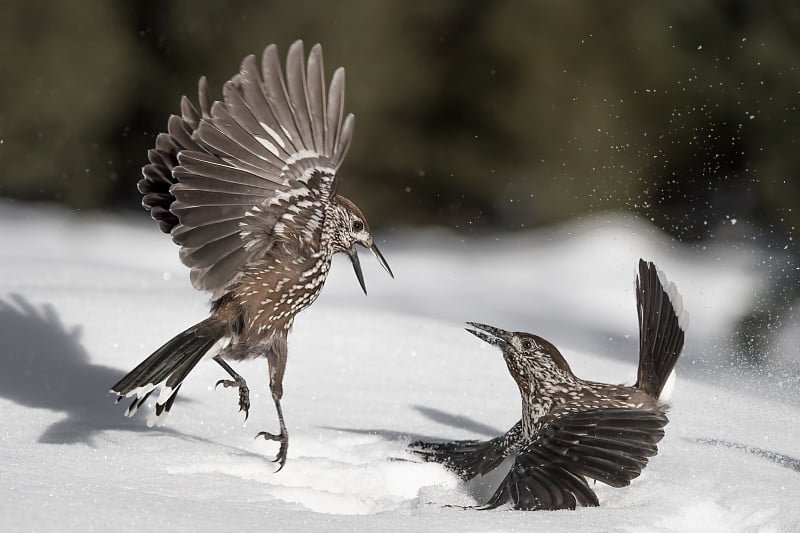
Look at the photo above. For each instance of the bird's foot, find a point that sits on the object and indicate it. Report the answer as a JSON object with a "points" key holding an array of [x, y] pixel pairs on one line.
{"points": [[244, 393], [283, 438]]}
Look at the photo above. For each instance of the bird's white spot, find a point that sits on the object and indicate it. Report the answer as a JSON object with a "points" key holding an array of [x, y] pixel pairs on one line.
{"points": [[302, 154], [274, 134], [217, 347], [141, 391], [164, 395], [268, 145], [669, 387]]}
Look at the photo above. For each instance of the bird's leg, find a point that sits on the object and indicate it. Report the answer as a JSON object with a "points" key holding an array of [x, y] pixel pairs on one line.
{"points": [[237, 381], [276, 358], [282, 437]]}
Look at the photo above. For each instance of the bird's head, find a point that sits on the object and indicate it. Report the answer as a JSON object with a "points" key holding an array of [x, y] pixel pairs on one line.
{"points": [[350, 228], [529, 357]]}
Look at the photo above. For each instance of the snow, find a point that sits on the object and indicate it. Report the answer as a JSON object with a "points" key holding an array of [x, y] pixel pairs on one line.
{"points": [[85, 298]]}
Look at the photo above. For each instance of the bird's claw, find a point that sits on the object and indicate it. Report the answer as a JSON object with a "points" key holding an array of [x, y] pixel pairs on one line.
{"points": [[283, 438], [244, 394]]}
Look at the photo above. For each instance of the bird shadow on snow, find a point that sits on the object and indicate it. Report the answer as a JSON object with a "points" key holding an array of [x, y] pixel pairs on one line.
{"points": [[44, 366], [780, 459], [436, 415]]}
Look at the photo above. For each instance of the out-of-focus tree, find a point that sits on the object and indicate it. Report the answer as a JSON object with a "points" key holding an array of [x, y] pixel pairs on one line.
{"points": [[67, 71], [505, 113], [472, 115]]}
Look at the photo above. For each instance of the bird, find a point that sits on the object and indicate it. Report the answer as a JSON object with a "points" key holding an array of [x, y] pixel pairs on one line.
{"points": [[572, 429], [247, 188]]}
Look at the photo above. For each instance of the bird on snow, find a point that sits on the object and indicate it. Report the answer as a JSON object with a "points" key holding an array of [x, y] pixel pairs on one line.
{"points": [[573, 429], [247, 187]]}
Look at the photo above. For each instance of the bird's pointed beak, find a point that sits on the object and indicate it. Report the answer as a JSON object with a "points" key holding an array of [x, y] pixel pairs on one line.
{"points": [[357, 267], [380, 258], [494, 336]]}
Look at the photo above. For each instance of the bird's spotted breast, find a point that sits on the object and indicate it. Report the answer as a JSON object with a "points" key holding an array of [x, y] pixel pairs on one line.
{"points": [[271, 293]]}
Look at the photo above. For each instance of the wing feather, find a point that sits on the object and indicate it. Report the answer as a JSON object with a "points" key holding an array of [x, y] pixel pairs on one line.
{"points": [[202, 198], [210, 252], [252, 92], [336, 130], [609, 445], [270, 148], [217, 274], [198, 182], [202, 165], [193, 217], [194, 237], [315, 80], [179, 137], [529, 486], [220, 138], [278, 98], [467, 458], [243, 127], [297, 91], [345, 136]]}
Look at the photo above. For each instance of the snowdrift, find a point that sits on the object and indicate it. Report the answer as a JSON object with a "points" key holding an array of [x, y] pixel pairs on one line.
{"points": [[83, 299]]}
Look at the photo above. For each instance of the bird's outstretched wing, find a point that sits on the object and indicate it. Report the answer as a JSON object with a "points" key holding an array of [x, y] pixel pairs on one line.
{"points": [[470, 458], [157, 174], [609, 445], [257, 167]]}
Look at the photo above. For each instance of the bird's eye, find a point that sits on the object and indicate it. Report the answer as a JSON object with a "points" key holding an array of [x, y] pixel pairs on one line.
{"points": [[358, 226], [527, 345]]}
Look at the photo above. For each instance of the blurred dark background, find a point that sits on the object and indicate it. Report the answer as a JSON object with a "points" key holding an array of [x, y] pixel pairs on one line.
{"points": [[471, 115]]}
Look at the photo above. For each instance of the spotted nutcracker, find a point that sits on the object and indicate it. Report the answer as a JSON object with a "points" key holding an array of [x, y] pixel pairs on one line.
{"points": [[572, 429], [247, 187]]}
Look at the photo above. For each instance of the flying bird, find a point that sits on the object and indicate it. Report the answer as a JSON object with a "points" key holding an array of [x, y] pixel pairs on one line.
{"points": [[247, 187], [573, 429]]}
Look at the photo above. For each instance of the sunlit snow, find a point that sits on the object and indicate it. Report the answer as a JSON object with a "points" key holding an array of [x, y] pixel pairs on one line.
{"points": [[84, 299]]}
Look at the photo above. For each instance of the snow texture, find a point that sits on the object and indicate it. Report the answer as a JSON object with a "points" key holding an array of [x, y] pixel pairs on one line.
{"points": [[84, 299]]}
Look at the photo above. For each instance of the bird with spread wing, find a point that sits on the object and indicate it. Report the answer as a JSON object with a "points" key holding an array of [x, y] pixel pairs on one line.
{"points": [[574, 429], [247, 187]]}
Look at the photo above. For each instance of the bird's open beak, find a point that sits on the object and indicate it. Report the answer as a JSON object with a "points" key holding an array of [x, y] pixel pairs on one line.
{"points": [[494, 336], [357, 264], [380, 258], [357, 267]]}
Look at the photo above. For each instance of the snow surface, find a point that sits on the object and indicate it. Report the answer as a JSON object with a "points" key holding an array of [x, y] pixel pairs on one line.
{"points": [[84, 299]]}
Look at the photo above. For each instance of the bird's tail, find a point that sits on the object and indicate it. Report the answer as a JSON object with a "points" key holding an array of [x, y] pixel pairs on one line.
{"points": [[167, 367], [662, 325]]}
